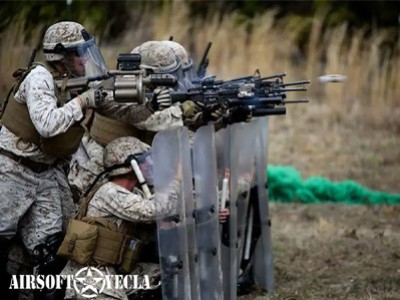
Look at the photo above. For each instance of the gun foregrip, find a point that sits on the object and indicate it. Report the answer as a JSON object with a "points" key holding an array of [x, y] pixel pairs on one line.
{"points": [[260, 111], [179, 96], [162, 80]]}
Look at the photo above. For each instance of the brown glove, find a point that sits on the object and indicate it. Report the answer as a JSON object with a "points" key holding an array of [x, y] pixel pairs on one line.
{"points": [[190, 109]]}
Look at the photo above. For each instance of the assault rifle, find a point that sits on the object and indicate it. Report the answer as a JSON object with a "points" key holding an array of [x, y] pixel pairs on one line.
{"points": [[128, 82], [262, 95]]}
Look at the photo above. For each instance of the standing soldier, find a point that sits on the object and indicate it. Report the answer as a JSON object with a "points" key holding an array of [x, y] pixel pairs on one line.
{"points": [[35, 196]]}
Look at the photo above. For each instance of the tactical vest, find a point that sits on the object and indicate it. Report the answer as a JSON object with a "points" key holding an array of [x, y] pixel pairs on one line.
{"points": [[61, 145], [98, 240], [103, 130]]}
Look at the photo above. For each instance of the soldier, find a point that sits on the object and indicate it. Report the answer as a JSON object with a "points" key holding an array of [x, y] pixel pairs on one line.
{"points": [[121, 202], [122, 210], [160, 59], [35, 195], [214, 114]]}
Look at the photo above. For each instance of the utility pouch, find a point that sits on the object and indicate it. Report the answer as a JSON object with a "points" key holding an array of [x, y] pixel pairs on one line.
{"points": [[131, 256], [79, 243], [111, 244]]}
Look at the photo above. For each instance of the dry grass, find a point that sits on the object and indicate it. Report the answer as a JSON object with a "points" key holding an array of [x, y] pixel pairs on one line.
{"points": [[349, 130], [15, 49]]}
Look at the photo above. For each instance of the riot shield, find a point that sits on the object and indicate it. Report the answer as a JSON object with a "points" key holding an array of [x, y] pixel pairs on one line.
{"points": [[170, 159], [206, 199], [190, 221], [228, 155], [245, 170], [263, 265]]}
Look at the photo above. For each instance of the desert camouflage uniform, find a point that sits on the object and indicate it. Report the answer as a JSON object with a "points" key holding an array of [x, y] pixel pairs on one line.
{"points": [[81, 175], [162, 120], [118, 203], [44, 198]]}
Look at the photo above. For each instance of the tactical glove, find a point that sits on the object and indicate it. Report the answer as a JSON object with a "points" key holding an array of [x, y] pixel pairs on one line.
{"points": [[212, 112], [91, 98], [161, 99], [238, 114], [190, 109], [194, 122]]}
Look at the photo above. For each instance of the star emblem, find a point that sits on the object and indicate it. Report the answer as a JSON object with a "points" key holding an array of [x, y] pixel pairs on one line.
{"points": [[89, 277]]}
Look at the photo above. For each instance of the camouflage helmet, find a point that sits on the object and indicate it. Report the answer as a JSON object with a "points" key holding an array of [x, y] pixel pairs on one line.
{"points": [[61, 34], [157, 56], [117, 152], [181, 53]]}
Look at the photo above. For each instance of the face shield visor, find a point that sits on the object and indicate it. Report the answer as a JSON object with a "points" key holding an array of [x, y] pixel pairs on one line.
{"points": [[145, 164], [189, 72], [84, 59], [183, 83]]}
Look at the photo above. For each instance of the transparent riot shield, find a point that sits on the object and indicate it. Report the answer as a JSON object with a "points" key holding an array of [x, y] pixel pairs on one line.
{"points": [[171, 162], [245, 170], [228, 156], [263, 265], [206, 200], [190, 221]]}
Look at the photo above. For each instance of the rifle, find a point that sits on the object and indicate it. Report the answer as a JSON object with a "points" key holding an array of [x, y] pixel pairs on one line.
{"points": [[261, 95], [202, 69], [128, 82]]}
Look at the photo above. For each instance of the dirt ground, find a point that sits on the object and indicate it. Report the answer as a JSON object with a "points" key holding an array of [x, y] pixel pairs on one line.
{"points": [[334, 252]]}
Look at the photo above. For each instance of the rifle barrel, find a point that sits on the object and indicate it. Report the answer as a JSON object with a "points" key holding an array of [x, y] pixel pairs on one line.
{"points": [[296, 83], [255, 101], [296, 101], [278, 75], [299, 89]]}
